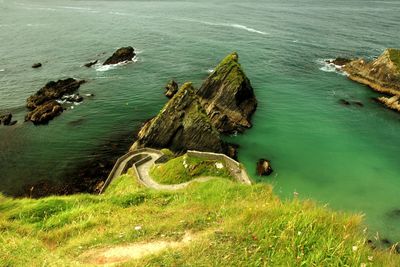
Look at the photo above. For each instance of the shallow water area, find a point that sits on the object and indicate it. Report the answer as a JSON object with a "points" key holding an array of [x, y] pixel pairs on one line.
{"points": [[346, 156]]}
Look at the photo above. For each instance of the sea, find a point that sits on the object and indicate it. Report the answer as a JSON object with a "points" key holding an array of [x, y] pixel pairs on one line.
{"points": [[344, 157]]}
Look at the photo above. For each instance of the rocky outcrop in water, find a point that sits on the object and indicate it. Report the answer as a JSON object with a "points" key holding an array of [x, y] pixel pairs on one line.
{"points": [[36, 65], [5, 118], [381, 74], [181, 125], [228, 97], [89, 64], [43, 104], [264, 167], [44, 113], [171, 89], [121, 55]]}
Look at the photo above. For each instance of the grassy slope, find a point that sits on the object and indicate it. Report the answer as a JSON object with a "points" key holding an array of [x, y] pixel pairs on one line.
{"points": [[175, 172], [246, 225], [394, 55]]}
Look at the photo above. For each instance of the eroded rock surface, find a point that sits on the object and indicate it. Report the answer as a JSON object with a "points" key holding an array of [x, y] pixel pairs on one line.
{"points": [[228, 97], [181, 125], [381, 74], [171, 89], [44, 113]]}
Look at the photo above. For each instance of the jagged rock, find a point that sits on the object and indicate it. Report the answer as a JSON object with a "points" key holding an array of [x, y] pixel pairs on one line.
{"points": [[228, 97], [52, 91], [339, 61], [181, 125], [5, 118], [36, 65], [88, 65], [264, 167], [43, 104], [45, 112], [381, 74], [171, 88], [121, 55]]}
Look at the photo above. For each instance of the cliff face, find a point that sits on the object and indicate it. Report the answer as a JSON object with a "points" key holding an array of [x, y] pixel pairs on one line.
{"points": [[181, 125], [228, 97], [381, 74]]}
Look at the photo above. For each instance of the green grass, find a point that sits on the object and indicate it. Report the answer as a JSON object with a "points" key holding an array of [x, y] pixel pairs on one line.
{"points": [[394, 55], [183, 169], [240, 225]]}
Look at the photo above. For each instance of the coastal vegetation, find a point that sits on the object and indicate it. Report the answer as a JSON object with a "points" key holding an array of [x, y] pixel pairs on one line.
{"points": [[230, 225], [184, 168]]}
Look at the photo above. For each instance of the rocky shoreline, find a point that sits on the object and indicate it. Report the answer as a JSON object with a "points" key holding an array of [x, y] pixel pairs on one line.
{"points": [[381, 74]]}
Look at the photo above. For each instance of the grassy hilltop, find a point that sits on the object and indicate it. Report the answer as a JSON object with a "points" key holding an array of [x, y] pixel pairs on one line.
{"points": [[228, 224]]}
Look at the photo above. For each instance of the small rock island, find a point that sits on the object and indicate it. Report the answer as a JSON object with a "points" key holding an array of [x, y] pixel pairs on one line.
{"points": [[193, 119], [381, 74]]}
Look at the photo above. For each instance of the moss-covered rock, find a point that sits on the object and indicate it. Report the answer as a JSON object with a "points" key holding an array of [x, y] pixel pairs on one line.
{"points": [[181, 125], [228, 97]]}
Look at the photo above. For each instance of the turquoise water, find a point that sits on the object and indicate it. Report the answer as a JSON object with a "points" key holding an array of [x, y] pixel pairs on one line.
{"points": [[344, 156]]}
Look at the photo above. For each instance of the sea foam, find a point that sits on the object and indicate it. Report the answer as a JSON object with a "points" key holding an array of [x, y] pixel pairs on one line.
{"points": [[330, 67], [100, 67]]}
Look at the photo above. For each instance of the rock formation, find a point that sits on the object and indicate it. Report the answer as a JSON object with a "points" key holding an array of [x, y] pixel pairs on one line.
{"points": [[381, 74], [44, 113], [228, 97], [121, 55], [264, 167], [5, 118], [43, 104], [89, 64], [181, 125], [171, 88], [36, 65]]}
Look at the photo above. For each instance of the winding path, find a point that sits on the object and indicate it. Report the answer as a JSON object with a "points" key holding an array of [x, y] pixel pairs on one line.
{"points": [[143, 159]]}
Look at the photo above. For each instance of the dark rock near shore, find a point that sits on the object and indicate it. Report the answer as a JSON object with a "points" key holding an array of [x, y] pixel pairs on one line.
{"points": [[264, 167], [358, 103], [228, 97], [5, 118], [180, 126], [171, 89], [88, 65], [339, 61], [45, 112], [36, 65], [121, 55]]}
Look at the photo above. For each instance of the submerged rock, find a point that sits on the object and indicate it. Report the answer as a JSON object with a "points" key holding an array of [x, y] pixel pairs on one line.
{"points": [[5, 118], [121, 55], [36, 65], [181, 125], [381, 74], [45, 112], [171, 89], [228, 97], [88, 65], [264, 167], [44, 105]]}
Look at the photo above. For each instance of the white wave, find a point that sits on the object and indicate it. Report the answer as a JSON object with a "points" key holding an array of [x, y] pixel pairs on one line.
{"points": [[330, 67], [118, 13], [238, 26], [1, 70], [231, 25], [210, 70], [101, 67]]}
